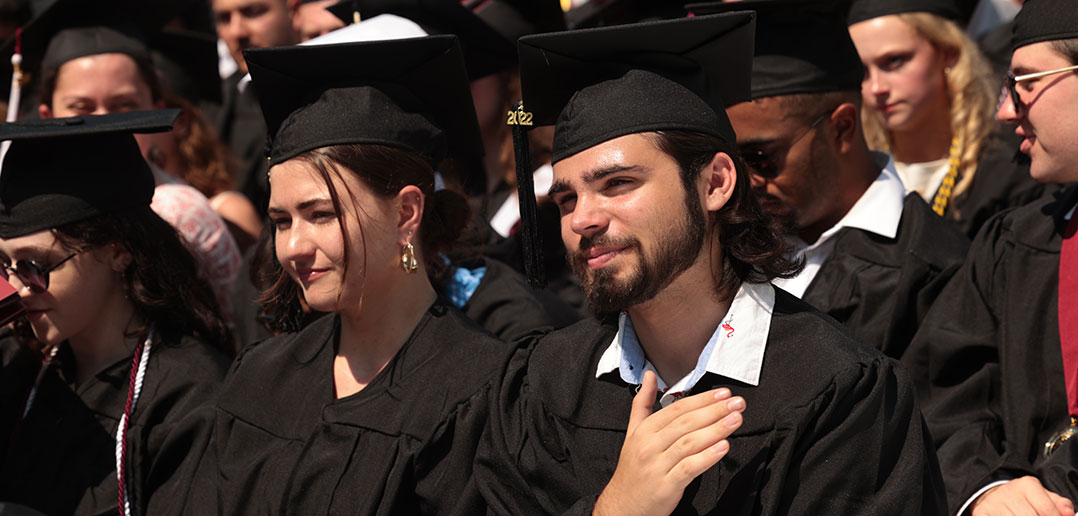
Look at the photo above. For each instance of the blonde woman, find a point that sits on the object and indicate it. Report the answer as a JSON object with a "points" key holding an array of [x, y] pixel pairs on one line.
{"points": [[929, 100]]}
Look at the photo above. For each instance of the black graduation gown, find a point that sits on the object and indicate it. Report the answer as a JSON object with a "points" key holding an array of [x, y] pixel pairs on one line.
{"points": [[63, 459], [1002, 181], [880, 287], [507, 307], [282, 443], [987, 361], [832, 428], [241, 126]]}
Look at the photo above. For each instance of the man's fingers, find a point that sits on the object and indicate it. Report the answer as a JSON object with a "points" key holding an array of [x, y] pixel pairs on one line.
{"points": [[692, 466], [1063, 505], [664, 417], [644, 401], [697, 419]]}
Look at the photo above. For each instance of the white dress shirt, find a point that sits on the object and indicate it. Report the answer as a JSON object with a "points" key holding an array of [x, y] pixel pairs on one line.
{"points": [[879, 210], [735, 350]]}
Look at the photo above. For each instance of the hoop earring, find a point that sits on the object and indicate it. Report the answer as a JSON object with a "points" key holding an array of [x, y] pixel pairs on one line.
{"points": [[408, 261]]}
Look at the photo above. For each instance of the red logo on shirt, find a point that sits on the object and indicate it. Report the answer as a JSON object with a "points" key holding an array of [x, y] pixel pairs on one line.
{"points": [[729, 330]]}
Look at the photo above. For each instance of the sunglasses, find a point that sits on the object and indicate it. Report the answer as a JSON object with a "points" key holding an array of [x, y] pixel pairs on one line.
{"points": [[1012, 82], [32, 274], [765, 163]]}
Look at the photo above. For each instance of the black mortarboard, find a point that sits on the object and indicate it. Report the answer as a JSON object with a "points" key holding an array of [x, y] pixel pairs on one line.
{"points": [[598, 84], [87, 40], [514, 19], [187, 63], [861, 10], [98, 169], [1045, 20], [600, 13], [802, 46], [70, 29], [406, 93], [485, 50]]}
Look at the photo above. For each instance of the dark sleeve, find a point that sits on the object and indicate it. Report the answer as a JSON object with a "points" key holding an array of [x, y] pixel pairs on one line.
{"points": [[863, 448], [443, 479], [520, 466], [954, 361], [1059, 472], [180, 430]]}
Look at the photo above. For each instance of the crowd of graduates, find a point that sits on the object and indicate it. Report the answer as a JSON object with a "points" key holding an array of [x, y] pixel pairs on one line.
{"points": [[622, 257]]}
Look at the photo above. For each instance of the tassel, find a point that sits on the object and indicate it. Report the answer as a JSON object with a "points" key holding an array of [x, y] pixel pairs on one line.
{"points": [[16, 90], [531, 241]]}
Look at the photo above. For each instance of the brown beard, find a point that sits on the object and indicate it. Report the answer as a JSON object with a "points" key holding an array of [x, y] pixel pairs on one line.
{"points": [[674, 253]]}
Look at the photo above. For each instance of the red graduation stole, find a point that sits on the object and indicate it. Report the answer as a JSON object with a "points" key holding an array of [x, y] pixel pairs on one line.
{"points": [[1068, 330]]}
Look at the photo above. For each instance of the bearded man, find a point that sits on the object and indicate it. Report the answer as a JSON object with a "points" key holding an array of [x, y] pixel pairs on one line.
{"points": [[699, 387]]}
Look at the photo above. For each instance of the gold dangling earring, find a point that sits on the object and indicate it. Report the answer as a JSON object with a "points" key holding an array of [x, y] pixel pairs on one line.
{"points": [[408, 261]]}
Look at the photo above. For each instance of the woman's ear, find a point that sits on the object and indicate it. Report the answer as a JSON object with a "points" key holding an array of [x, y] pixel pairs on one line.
{"points": [[118, 256], [412, 202]]}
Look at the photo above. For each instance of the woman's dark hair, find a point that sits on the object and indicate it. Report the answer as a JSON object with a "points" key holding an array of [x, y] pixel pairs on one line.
{"points": [[145, 71], [752, 242], [162, 279], [385, 170]]}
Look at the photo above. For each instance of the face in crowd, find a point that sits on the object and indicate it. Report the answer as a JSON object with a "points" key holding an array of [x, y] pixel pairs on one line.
{"points": [[338, 239], [630, 223], [244, 24], [905, 81], [1045, 109], [66, 287]]}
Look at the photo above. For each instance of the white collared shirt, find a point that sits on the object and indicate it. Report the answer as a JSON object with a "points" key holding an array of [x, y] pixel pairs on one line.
{"points": [[735, 350], [879, 210]]}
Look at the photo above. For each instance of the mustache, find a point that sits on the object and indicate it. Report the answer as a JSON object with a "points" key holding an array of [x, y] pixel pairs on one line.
{"points": [[586, 243]]}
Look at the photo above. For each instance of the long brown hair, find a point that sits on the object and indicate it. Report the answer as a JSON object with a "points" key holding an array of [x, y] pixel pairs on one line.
{"points": [[162, 279], [751, 241]]}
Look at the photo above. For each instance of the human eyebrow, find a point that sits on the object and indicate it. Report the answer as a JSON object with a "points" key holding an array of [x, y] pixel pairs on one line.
{"points": [[599, 174], [558, 187], [756, 143], [313, 203]]}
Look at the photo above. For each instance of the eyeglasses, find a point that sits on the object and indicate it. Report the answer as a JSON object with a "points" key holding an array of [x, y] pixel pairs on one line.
{"points": [[32, 274], [1012, 82], [765, 163]]}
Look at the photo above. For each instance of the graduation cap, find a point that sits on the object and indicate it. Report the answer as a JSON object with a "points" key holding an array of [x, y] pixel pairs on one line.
{"points": [[802, 46], [64, 170], [605, 13], [411, 94], [70, 29], [1044, 20], [861, 10], [598, 84], [516, 18], [187, 62], [485, 50]]}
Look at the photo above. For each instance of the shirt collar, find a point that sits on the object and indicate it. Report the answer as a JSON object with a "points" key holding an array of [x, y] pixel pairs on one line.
{"points": [[879, 209], [735, 350]]}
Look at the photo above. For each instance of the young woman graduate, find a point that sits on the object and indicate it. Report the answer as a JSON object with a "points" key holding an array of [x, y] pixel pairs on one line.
{"points": [[377, 407], [928, 100], [127, 339]]}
